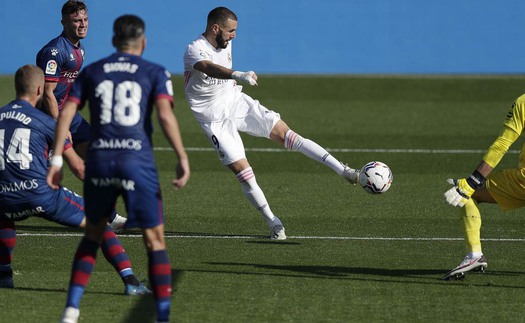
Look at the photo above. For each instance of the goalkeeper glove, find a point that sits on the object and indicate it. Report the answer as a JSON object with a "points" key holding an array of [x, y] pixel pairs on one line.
{"points": [[248, 77], [463, 189]]}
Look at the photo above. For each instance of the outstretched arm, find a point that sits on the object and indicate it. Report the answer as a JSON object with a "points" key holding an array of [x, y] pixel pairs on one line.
{"points": [[465, 187]]}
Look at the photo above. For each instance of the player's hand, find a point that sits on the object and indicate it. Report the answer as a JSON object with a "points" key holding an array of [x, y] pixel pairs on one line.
{"points": [[183, 173], [460, 193], [249, 77], [54, 177]]}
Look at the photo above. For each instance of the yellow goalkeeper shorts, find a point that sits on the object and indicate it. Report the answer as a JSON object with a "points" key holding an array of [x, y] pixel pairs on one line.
{"points": [[507, 188]]}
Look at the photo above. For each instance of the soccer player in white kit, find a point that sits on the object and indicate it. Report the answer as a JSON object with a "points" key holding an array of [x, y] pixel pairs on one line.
{"points": [[223, 110]]}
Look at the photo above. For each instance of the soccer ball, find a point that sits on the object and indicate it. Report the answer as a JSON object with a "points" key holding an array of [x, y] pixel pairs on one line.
{"points": [[375, 177]]}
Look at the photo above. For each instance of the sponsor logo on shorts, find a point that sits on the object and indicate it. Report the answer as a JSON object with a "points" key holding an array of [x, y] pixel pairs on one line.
{"points": [[126, 143], [26, 185], [24, 214], [124, 184]]}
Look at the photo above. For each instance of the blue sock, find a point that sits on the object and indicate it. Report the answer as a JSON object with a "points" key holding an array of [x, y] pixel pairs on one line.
{"points": [[74, 296]]}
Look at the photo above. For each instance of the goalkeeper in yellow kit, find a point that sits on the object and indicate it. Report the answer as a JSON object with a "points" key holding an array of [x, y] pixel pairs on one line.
{"points": [[506, 188]]}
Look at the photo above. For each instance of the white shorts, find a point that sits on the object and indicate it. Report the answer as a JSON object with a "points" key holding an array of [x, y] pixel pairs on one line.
{"points": [[244, 115]]}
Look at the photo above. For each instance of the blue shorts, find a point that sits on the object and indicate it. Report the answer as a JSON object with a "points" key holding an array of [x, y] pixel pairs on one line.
{"points": [[80, 129], [128, 176], [61, 206]]}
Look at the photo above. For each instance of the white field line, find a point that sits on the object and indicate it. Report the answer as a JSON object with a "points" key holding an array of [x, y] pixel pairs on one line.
{"points": [[194, 236], [280, 150], [355, 150]]}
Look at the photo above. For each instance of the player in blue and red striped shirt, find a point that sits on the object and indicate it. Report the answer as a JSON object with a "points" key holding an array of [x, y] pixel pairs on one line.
{"points": [[26, 136], [122, 90], [61, 60]]}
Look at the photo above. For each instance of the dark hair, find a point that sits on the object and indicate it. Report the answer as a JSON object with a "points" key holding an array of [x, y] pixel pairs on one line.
{"points": [[220, 15], [73, 6], [127, 28]]}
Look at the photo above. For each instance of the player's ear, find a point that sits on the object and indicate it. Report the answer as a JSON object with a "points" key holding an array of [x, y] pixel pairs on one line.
{"points": [[215, 28], [114, 41]]}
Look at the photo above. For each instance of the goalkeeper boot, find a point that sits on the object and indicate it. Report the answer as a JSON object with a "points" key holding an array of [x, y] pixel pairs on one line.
{"points": [[134, 290], [469, 263], [70, 315], [277, 233], [6, 279], [351, 175]]}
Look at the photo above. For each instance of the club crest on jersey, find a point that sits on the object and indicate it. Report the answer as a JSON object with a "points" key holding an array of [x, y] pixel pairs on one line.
{"points": [[230, 57], [54, 51], [51, 67], [71, 57]]}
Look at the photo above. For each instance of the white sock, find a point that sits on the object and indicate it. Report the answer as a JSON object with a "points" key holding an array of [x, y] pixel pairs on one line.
{"points": [[256, 197], [295, 142]]}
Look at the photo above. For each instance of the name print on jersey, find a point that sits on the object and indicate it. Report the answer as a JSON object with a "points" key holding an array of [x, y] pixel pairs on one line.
{"points": [[120, 67]]}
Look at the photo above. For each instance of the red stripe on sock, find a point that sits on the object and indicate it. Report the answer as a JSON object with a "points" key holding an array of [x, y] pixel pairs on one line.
{"points": [[245, 175], [161, 269], [80, 278], [162, 291]]}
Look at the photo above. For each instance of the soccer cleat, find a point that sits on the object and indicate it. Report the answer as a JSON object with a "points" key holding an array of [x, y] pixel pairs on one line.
{"points": [[277, 233], [118, 223], [134, 290], [475, 264], [70, 315], [351, 175]]}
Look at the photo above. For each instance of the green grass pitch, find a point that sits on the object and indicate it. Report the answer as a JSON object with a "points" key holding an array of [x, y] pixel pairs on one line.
{"points": [[350, 256]]}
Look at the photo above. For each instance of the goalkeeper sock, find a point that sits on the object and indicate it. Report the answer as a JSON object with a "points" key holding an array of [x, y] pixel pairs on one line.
{"points": [[295, 142], [471, 224], [255, 196]]}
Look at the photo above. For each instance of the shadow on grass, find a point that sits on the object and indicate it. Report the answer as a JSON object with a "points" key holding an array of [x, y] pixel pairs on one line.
{"points": [[145, 309], [382, 275]]}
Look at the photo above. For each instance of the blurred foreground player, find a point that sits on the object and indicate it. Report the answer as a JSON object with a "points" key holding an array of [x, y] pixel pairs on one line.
{"points": [[122, 90]]}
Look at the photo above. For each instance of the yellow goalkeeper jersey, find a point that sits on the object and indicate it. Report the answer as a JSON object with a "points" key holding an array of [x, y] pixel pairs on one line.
{"points": [[514, 125]]}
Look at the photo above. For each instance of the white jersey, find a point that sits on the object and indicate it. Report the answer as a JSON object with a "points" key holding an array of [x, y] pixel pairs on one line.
{"points": [[208, 97]]}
